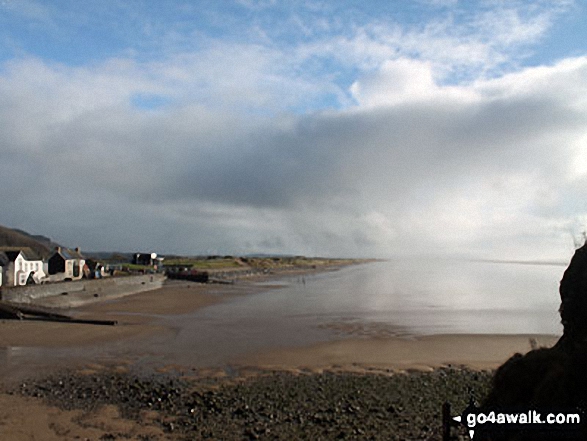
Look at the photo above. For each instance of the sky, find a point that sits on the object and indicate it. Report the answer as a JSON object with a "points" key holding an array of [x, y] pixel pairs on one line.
{"points": [[324, 128]]}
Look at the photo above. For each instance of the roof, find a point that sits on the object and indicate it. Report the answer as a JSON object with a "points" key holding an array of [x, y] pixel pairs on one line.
{"points": [[13, 252], [68, 254]]}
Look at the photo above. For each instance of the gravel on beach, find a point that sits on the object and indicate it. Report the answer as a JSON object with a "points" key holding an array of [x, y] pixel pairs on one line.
{"points": [[277, 405]]}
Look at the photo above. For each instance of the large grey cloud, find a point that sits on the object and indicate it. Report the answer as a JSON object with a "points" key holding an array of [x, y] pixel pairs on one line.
{"points": [[494, 168]]}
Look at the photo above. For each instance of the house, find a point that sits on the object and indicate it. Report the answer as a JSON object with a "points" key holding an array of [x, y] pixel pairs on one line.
{"points": [[149, 259], [3, 267], [22, 267], [95, 269], [65, 263]]}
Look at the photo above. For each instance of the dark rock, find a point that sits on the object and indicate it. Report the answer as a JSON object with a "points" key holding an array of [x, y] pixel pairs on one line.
{"points": [[553, 378], [573, 292]]}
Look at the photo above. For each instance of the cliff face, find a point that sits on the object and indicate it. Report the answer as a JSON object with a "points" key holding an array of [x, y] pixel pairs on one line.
{"points": [[573, 292], [550, 378]]}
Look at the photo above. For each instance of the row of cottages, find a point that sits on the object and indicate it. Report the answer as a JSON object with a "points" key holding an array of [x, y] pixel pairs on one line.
{"points": [[22, 267]]}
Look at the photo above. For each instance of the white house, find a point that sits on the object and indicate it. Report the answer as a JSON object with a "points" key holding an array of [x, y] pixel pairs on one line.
{"points": [[66, 264], [22, 269]]}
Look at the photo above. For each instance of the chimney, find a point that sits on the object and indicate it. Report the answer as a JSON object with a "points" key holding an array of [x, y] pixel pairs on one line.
{"points": [[77, 249], [58, 249]]}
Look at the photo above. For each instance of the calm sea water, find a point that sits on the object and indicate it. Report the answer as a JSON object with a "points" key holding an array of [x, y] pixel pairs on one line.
{"points": [[427, 297], [394, 297], [407, 297]]}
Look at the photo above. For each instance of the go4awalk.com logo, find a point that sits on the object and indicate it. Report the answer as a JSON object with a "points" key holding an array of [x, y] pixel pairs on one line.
{"points": [[560, 424]]}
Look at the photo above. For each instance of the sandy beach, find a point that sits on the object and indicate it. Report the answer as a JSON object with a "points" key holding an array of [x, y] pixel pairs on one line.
{"points": [[24, 417], [135, 313], [427, 352], [137, 316]]}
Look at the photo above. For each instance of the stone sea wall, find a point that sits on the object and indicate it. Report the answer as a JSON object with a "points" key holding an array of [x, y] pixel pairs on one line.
{"points": [[98, 288]]}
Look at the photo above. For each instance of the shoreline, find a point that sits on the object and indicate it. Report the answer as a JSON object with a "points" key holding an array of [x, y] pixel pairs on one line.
{"points": [[138, 313], [140, 318], [428, 352], [60, 402]]}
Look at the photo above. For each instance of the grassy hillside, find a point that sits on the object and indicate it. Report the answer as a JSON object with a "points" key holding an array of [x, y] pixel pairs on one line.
{"points": [[17, 238]]}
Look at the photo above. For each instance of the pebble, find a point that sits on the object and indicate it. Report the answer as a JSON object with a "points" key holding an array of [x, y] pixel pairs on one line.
{"points": [[279, 406]]}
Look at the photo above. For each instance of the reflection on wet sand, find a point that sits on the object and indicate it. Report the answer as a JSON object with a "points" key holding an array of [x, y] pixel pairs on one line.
{"points": [[203, 326]]}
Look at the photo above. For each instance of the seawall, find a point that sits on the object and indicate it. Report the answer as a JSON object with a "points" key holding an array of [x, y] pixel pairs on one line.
{"points": [[76, 293]]}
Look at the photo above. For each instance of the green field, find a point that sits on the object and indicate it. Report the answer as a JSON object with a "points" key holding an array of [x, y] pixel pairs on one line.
{"points": [[254, 262]]}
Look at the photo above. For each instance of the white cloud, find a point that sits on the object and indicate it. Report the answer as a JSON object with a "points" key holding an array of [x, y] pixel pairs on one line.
{"points": [[409, 175], [401, 80], [462, 43], [491, 167]]}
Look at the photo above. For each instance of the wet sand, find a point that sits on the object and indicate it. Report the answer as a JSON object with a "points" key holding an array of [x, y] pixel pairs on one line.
{"points": [[139, 317], [401, 353], [23, 418], [136, 315]]}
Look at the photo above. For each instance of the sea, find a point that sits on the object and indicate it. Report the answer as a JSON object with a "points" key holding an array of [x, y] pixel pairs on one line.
{"points": [[403, 297], [406, 297], [420, 296]]}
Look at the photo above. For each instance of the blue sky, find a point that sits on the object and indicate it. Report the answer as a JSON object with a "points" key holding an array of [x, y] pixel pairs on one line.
{"points": [[513, 34], [370, 128]]}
